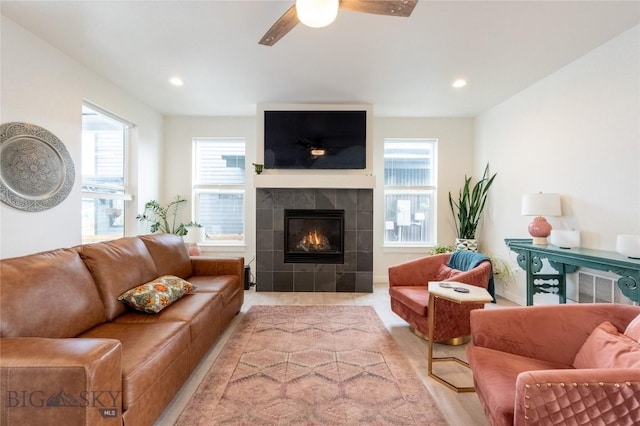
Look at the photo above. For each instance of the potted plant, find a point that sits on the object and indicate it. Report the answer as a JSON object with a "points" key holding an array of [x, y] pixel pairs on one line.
{"points": [[164, 219], [468, 209], [442, 249]]}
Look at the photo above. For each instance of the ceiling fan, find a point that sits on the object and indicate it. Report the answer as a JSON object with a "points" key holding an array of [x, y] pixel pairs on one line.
{"points": [[291, 17]]}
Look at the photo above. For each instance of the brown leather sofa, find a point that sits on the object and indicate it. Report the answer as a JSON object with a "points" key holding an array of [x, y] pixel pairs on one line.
{"points": [[72, 354], [527, 369]]}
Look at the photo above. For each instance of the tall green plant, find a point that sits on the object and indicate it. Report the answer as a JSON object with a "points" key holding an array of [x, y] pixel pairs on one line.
{"points": [[164, 219], [470, 204]]}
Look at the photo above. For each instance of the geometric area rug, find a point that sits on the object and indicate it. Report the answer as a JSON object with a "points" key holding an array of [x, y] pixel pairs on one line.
{"points": [[311, 365]]}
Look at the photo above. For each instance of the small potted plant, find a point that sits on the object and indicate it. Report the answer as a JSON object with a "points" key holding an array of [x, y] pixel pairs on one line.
{"points": [[468, 208], [164, 219], [442, 249], [258, 167]]}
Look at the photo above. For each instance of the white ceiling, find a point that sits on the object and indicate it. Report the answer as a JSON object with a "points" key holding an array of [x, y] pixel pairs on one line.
{"points": [[402, 66]]}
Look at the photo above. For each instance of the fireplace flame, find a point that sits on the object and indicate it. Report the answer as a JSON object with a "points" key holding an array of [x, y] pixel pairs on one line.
{"points": [[314, 241]]}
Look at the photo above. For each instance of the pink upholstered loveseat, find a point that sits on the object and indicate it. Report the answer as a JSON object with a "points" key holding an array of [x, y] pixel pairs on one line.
{"points": [[524, 363], [72, 354]]}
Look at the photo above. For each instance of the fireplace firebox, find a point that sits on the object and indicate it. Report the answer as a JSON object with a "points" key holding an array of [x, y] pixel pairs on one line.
{"points": [[314, 236]]}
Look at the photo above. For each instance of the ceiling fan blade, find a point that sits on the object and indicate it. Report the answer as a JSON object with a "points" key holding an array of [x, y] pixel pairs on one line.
{"points": [[281, 27], [381, 7]]}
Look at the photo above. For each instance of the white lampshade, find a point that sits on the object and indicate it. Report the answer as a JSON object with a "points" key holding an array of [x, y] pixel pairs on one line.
{"points": [[541, 204], [317, 13]]}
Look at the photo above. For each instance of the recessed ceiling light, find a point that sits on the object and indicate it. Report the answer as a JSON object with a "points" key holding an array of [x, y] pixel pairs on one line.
{"points": [[176, 81], [459, 83]]}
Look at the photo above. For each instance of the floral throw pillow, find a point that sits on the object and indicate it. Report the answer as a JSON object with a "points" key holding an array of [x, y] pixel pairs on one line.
{"points": [[156, 295]]}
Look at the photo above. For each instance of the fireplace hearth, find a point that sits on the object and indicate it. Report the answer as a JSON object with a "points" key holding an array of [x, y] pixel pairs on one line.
{"points": [[314, 236]]}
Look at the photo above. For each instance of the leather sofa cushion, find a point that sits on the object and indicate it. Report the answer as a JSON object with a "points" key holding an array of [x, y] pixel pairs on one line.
{"points": [[169, 253], [148, 352], [227, 285], [118, 266], [49, 294], [200, 310], [495, 381]]}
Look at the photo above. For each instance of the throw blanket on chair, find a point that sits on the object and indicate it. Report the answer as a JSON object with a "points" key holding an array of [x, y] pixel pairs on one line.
{"points": [[464, 260]]}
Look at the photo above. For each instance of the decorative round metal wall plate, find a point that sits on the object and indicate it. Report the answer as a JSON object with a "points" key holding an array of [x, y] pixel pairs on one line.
{"points": [[36, 170]]}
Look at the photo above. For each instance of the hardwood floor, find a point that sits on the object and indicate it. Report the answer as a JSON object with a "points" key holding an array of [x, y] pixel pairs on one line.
{"points": [[458, 408]]}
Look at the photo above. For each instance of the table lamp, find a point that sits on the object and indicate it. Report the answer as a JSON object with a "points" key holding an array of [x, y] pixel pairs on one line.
{"points": [[540, 205]]}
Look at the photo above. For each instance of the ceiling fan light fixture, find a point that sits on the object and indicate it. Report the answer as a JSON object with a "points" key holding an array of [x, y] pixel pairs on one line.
{"points": [[317, 13], [459, 83]]}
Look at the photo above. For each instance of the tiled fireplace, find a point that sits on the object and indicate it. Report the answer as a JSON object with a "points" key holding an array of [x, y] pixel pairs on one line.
{"points": [[336, 259]]}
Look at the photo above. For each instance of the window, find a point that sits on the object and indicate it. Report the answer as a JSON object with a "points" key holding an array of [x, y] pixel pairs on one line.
{"points": [[219, 188], [409, 192], [104, 142]]}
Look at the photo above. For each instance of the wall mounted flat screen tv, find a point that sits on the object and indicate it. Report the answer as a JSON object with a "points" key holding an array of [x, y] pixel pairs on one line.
{"points": [[315, 139]]}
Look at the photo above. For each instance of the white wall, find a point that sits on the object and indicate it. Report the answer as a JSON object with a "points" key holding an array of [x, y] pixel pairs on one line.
{"points": [[455, 159], [455, 142], [577, 133], [43, 86]]}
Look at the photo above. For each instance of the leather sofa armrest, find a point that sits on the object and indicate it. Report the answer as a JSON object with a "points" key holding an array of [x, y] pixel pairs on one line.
{"points": [[212, 266], [578, 396], [70, 381], [417, 272], [548, 332]]}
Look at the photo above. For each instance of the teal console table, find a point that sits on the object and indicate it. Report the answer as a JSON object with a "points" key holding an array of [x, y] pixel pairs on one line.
{"points": [[565, 261]]}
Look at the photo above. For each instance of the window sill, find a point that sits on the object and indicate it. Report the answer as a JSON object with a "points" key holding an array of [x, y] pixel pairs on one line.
{"points": [[407, 249], [227, 248]]}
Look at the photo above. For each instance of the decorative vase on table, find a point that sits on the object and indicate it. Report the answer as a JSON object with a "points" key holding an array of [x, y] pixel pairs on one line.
{"points": [[470, 244]]}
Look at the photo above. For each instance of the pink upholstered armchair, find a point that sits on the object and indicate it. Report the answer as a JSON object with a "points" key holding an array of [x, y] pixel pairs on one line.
{"points": [[408, 284], [529, 367]]}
